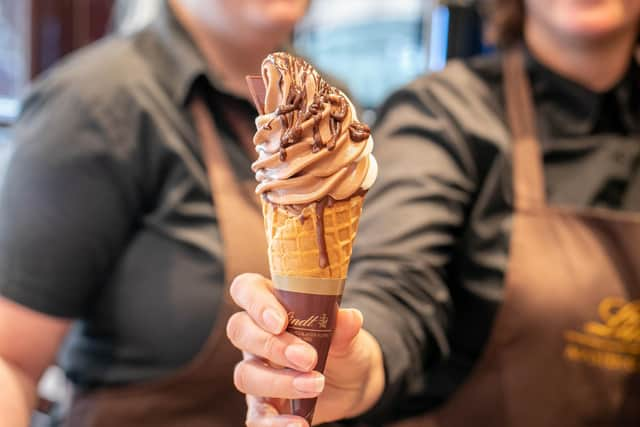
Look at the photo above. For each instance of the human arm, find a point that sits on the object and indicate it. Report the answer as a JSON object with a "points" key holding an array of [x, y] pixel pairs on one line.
{"points": [[64, 217], [401, 266], [29, 342], [403, 274]]}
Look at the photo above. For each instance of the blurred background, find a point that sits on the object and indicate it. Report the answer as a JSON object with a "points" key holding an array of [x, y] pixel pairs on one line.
{"points": [[373, 46]]}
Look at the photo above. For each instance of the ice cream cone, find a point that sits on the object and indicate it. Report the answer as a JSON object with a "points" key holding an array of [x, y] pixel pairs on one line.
{"points": [[311, 293], [293, 239], [314, 169]]}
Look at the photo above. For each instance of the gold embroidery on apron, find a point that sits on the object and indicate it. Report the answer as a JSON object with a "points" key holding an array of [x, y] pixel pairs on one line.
{"points": [[613, 343]]}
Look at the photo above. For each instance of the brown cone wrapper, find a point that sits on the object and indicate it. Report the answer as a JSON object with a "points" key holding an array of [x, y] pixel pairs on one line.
{"points": [[258, 91], [312, 307]]}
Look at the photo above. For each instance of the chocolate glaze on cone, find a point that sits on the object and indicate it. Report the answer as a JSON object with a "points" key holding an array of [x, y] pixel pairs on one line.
{"points": [[312, 307]]}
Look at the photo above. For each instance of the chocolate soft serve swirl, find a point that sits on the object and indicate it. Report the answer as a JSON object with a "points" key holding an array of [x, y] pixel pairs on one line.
{"points": [[310, 143]]}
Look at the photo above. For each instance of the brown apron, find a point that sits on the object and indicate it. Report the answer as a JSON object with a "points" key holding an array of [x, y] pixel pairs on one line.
{"points": [[565, 346], [202, 393]]}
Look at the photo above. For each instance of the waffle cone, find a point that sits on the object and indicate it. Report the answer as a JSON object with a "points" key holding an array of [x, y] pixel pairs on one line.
{"points": [[293, 240]]}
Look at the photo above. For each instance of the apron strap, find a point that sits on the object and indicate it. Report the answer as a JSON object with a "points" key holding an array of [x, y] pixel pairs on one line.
{"points": [[242, 132], [239, 218], [528, 171]]}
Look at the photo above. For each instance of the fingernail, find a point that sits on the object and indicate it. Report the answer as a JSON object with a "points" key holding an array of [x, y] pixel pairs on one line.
{"points": [[358, 314], [301, 356], [294, 425], [309, 383], [273, 320]]}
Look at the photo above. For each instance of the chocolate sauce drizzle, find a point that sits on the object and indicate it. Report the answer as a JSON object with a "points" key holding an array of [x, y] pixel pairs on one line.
{"points": [[294, 112], [359, 132], [322, 242]]}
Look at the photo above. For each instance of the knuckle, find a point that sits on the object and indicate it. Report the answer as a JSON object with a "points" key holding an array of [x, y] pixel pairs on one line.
{"points": [[270, 346], [239, 377], [236, 288], [252, 423], [235, 330], [245, 291], [255, 307], [243, 285]]}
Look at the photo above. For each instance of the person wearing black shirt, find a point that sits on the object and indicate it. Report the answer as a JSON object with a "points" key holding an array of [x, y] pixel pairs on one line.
{"points": [[106, 218], [496, 268]]}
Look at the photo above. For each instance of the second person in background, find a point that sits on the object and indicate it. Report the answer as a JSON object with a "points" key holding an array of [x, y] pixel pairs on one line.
{"points": [[497, 265]]}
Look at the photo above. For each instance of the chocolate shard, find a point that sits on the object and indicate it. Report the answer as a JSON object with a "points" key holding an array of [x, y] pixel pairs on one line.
{"points": [[258, 91]]}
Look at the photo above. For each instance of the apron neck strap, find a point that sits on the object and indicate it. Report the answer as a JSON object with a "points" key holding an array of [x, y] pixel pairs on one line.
{"points": [[239, 216], [528, 175]]}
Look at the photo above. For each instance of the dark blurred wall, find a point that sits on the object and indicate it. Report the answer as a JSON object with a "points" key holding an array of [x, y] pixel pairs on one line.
{"points": [[465, 31], [61, 26]]}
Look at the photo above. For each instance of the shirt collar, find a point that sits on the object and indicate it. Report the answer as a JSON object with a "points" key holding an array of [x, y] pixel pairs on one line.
{"points": [[174, 57], [577, 109], [628, 96], [176, 60]]}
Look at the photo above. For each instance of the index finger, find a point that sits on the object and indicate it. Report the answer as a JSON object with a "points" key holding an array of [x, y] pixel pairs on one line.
{"points": [[254, 293]]}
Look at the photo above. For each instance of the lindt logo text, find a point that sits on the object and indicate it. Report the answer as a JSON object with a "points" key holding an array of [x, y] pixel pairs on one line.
{"points": [[316, 320]]}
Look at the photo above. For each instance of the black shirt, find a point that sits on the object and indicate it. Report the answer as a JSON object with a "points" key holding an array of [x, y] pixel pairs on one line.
{"points": [[106, 213], [430, 257]]}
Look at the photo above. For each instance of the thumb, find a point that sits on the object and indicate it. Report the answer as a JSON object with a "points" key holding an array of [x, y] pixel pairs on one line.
{"points": [[348, 325]]}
